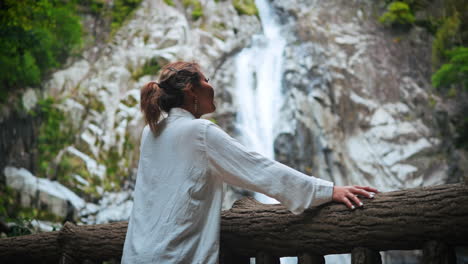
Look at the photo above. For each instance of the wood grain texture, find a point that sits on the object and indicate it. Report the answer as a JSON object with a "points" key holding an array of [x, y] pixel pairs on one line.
{"points": [[397, 220], [403, 220]]}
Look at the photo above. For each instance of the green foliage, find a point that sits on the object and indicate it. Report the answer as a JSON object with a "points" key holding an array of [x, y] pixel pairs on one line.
{"points": [[54, 135], [432, 102], [7, 200], [96, 6], [245, 7], [455, 71], [444, 38], [169, 2], [398, 14], [197, 11], [36, 36], [121, 10], [22, 217], [151, 67]]}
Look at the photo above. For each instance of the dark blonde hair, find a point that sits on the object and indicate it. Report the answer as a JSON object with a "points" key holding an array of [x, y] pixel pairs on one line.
{"points": [[175, 78]]}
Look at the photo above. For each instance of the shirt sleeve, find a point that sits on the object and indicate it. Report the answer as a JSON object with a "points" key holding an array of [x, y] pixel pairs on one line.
{"points": [[239, 166]]}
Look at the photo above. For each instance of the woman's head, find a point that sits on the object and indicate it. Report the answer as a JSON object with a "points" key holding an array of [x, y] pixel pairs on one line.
{"points": [[181, 84]]}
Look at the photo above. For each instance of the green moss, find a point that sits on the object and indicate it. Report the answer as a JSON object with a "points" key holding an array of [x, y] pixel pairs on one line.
{"points": [[169, 2], [432, 102], [95, 104], [245, 7], [129, 101], [398, 14], [38, 214], [22, 217], [151, 67], [95, 6], [146, 38], [121, 10], [220, 26], [452, 92], [197, 10], [54, 135], [70, 165]]}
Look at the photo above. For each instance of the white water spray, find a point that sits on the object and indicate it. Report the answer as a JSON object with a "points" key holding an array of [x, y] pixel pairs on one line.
{"points": [[258, 84], [258, 87]]}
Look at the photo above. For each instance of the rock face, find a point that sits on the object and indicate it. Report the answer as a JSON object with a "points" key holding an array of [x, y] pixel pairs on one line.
{"points": [[360, 99], [357, 99], [101, 91], [43, 193]]}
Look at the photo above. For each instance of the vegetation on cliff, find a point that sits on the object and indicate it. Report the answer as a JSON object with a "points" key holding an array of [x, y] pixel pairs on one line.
{"points": [[447, 21], [36, 36]]}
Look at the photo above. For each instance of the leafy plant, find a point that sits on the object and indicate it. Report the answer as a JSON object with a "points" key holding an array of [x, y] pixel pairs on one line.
{"points": [[398, 14], [169, 2], [36, 36], [121, 10], [245, 7], [444, 38], [197, 11], [455, 71], [151, 67], [54, 135]]}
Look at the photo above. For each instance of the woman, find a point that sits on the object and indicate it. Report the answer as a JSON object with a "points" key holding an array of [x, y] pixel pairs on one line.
{"points": [[183, 162]]}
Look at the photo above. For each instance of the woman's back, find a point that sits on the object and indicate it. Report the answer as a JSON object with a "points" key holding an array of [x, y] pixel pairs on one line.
{"points": [[171, 220], [178, 194]]}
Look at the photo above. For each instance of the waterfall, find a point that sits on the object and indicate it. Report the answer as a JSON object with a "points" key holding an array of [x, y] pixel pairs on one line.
{"points": [[259, 74], [258, 88]]}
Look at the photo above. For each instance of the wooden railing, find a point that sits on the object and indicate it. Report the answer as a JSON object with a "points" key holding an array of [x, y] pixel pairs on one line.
{"points": [[434, 219]]}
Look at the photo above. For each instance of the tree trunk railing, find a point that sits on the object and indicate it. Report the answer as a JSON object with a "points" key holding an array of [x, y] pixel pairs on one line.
{"points": [[434, 219]]}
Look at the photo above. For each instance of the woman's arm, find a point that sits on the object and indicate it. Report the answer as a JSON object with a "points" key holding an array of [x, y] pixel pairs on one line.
{"points": [[239, 166]]}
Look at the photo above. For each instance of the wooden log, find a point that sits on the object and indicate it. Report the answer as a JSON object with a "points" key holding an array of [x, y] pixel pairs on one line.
{"points": [[365, 256], [435, 252], [36, 248], [399, 220], [93, 242]]}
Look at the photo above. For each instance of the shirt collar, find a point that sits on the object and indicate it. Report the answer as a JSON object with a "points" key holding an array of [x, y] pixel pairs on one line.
{"points": [[177, 111]]}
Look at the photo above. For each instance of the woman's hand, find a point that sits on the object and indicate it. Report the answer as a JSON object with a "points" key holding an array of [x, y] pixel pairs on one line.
{"points": [[348, 194]]}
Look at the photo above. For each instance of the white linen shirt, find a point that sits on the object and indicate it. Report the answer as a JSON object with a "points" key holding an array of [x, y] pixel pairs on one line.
{"points": [[178, 194]]}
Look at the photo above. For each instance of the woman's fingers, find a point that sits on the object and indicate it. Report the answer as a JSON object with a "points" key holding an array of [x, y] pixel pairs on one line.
{"points": [[363, 193], [348, 203], [355, 199], [367, 188]]}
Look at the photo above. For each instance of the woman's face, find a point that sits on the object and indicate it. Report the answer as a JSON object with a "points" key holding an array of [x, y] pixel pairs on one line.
{"points": [[205, 96]]}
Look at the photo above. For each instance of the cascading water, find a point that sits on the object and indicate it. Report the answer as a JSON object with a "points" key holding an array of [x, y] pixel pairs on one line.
{"points": [[259, 75], [258, 87]]}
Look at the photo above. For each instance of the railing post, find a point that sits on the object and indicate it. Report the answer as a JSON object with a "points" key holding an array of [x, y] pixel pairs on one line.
{"points": [[307, 258], [266, 258], [362, 255], [435, 252], [67, 259]]}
